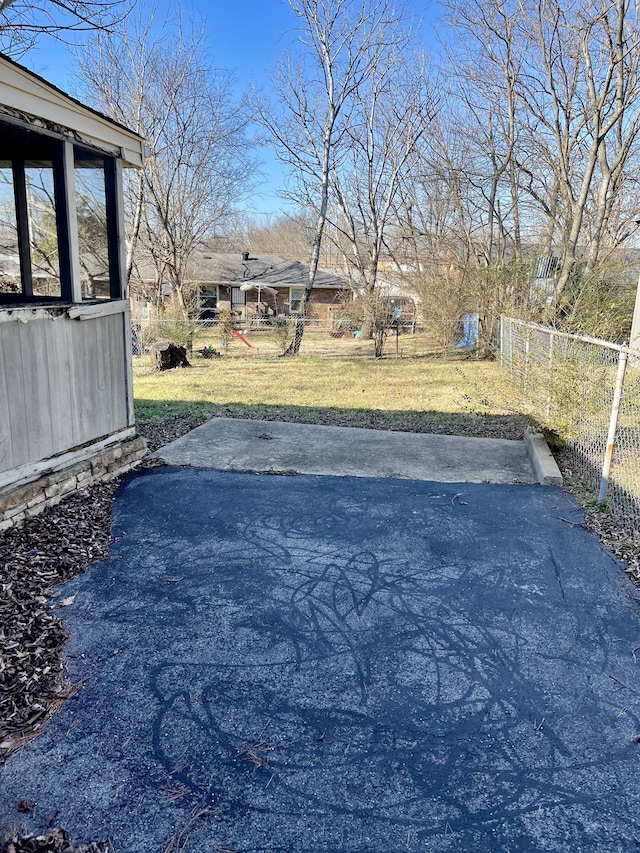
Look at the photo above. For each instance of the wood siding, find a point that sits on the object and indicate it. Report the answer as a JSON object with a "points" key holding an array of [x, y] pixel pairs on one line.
{"points": [[63, 382]]}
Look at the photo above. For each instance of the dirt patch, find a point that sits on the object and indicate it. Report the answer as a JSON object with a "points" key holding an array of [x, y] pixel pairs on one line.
{"points": [[623, 543], [161, 431]]}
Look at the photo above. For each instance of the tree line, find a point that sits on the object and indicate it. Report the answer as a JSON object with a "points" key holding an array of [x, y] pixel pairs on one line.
{"points": [[506, 156]]}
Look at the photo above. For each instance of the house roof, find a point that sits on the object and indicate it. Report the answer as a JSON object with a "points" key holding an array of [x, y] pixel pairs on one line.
{"points": [[272, 270], [231, 270], [29, 99]]}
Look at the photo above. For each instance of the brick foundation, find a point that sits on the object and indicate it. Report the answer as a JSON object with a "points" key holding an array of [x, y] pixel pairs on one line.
{"points": [[25, 501]]}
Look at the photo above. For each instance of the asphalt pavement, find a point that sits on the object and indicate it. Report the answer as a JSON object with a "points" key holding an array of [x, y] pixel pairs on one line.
{"points": [[317, 663]]}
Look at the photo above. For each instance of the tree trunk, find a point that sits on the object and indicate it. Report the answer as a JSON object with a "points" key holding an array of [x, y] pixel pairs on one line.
{"points": [[369, 319], [294, 346], [135, 230], [169, 355]]}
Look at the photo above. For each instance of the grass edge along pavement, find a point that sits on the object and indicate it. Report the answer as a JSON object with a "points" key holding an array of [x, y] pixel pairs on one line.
{"points": [[455, 398]]}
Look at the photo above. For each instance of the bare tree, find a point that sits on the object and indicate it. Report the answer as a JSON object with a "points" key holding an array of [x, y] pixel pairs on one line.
{"points": [[316, 89], [199, 167], [483, 66], [392, 110], [286, 234], [583, 94], [24, 22], [556, 106]]}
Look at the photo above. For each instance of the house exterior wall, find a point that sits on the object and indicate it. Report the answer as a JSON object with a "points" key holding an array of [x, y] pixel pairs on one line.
{"points": [[324, 303], [65, 350], [65, 383]]}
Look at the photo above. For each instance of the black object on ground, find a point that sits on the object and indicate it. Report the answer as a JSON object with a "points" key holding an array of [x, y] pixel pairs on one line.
{"points": [[169, 356]]}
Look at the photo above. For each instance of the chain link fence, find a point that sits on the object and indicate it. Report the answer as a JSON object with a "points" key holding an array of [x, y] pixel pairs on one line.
{"points": [[588, 392], [269, 337]]}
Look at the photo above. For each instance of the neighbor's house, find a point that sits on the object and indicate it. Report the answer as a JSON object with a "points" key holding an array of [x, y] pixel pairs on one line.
{"points": [[66, 402], [253, 286]]}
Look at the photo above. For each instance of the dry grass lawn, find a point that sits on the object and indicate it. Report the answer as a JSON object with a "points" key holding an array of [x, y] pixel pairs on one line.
{"points": [[421, 394]]}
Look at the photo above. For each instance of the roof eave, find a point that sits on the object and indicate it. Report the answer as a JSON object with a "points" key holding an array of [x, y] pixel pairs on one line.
{"points": [[31, 100]]}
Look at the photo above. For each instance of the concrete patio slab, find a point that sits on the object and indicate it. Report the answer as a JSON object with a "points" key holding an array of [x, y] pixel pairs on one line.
{"points": [[230, 444], [309, 664]]}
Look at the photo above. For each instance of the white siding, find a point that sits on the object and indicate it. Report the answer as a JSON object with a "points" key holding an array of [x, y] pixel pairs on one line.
{"points": [[63, 382]]}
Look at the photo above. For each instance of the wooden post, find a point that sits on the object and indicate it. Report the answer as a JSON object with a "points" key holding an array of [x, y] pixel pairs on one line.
{"points": [[115, 228], [67, 221]]}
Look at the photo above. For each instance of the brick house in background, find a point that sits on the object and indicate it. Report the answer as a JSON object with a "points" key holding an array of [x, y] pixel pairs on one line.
{"points": [[252, 286]]}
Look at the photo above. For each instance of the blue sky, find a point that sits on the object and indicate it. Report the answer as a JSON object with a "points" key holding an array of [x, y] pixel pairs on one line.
{"points": [[244, 36]]}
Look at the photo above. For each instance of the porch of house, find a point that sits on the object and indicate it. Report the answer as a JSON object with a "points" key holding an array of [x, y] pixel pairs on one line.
{"points": [[66, 400], [262, 307]]}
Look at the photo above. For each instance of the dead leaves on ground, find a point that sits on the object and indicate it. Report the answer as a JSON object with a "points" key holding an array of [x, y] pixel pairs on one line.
{"points": [[624, 543], [54, 840], [34, 558]]}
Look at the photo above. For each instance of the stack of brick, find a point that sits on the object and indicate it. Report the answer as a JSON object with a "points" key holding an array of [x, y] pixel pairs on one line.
{"points": [[30, 499]]}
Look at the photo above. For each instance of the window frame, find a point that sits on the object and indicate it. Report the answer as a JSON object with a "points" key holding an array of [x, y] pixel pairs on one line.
{"points": [[299, 299], [61, 153], [205, 296]]}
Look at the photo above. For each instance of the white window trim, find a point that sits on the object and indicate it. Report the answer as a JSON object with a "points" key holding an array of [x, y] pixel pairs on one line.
{"points": [[291, 299]]}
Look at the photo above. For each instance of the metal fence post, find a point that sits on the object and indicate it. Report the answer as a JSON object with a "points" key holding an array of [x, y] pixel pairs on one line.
{"points": [[613, 423], [549, 375], [527, 348], [511, 346]]}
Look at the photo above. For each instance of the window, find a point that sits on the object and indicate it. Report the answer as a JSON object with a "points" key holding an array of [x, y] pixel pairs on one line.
{"points": [[209, 302], [29, 259], [209, 296], [91, 215], [296, 300], [43, 234]]}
